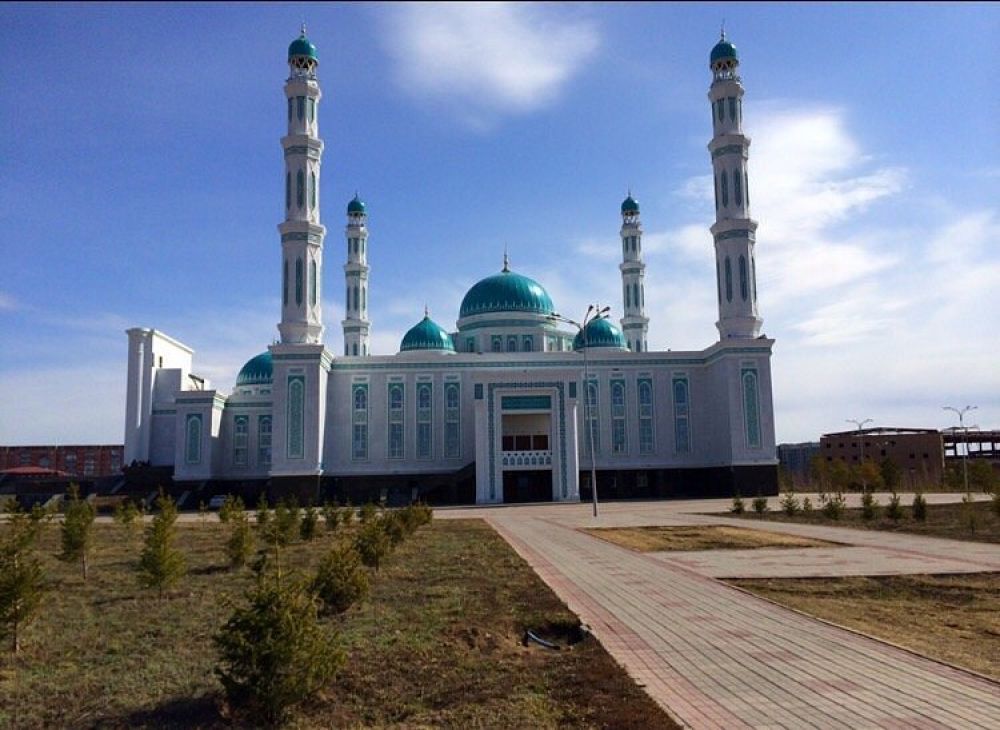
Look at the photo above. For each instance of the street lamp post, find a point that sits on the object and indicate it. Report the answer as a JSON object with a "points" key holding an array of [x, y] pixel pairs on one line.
{"points": [[861, 441], [594, 311], [961, 424]]}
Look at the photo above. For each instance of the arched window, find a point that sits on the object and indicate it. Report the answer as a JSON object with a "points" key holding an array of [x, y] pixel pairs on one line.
{"points": [[451, 396], [364, 298], [744, 289], [312, 283], [718, 282], [396, 397], [645, 417], [424, 397], [725, 190], [300, 106], [312, 109], [360, 399], [642, 295], [737, 187], [296, 422], [751, 411], [682, 438], [753, 276], [635, 294], [511, 344], [348, 304], [312, 190], [746, 187], [715, 181], [289, 110], [192, 449], [354, 349], [628, 296], [288, 190], [618, 444], [729, 280], [732, 108], [300, 181], [357, 305], [298, 282], [284, 285]]}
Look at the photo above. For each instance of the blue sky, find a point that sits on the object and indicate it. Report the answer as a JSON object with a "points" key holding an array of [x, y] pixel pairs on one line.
{"points": [[142, 182]]}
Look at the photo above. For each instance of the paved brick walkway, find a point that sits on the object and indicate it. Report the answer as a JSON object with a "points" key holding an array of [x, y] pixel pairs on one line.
{"points": [[716, 657]]}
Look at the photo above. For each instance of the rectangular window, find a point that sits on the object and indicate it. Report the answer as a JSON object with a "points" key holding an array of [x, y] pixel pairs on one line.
{"points": [[732, 108], [682, 435], [300, 106], [264, 441], [540, 442], [192, 439], [359, 419], [452, 433], [295, 446], [645, 395], [618, 443], [424, 420], [312, 109], [395, 435], [241, 428]]}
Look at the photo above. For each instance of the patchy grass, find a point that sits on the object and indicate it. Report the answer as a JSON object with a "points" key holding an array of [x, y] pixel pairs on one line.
{"points": [[438, 643], [700, 537], [949, 617], [943, 520]]}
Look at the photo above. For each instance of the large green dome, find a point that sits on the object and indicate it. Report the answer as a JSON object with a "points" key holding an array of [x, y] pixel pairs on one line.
{"points": [[506, 292], [302, 47], [258, 370], [600, 333], [427, 335]]}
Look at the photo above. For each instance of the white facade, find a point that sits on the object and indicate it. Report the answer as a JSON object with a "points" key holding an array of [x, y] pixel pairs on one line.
{"points": [[494, 411]]}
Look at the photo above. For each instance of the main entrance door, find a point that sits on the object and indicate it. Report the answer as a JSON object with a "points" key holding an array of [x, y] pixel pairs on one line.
{"points": [[527, 486]]}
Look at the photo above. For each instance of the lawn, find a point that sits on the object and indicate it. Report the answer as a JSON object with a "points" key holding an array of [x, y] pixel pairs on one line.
{"points": [[943, 520], [949, 617], [439, 644], [700, 537]]}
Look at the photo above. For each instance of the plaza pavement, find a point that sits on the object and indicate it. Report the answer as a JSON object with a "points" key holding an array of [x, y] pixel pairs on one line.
{"points": [[716, 657]]}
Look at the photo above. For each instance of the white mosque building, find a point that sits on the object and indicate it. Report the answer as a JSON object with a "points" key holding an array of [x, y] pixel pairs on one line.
{"points": [[514, 404]]}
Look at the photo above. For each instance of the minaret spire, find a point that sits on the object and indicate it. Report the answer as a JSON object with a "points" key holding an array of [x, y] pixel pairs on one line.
{"points": [[357, 327], [734, 231], [506, 259], [302, 233], [635, 323]]}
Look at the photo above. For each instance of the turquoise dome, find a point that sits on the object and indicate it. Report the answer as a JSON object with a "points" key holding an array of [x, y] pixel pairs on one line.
{"points": [[257, 371], [506, 292], [630, 205], [427, 335], [600, 333], [356, 206], [723, 50], [302, 47]]}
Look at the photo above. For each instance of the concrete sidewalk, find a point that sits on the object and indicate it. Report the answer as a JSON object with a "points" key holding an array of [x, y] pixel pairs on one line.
{"points": [[716, 657]]}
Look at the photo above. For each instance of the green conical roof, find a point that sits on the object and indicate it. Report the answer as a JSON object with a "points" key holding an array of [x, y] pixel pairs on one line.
{"points": [[427, 335], [258, 370], [600, 333]]}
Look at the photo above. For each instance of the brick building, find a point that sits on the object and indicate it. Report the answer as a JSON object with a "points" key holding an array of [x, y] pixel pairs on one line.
{"points": [[918, 452], [89, 462]]}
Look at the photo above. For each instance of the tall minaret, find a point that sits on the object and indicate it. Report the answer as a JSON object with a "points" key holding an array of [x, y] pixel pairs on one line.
{"points": [[635, 323], [357, 328], [301, 232], [734, 231]]}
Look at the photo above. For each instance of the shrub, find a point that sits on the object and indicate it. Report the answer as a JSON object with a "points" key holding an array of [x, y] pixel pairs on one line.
{"points": [[807, 507], [77, 529], [231, 507], [340, 580], [127, 515], [893, 510], [372, 544], [969, 518], [273, 652], [919, 507], [760, 505], [240, 545], [331, 516], [394, 526], [833, 505], [22, 582], [367, 513], [160, 565], [790, 503], [738, 508], [869, 506], [285, 522], [263, 512], [347, 515], [307, 528]]}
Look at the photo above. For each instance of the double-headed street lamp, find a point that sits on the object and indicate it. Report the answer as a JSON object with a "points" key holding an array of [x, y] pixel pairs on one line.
{"points": [[861, 441], [961, 424], [594, 311]]}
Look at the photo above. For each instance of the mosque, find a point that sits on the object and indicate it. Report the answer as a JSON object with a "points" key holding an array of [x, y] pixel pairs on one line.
{"points": [[516, 403]]}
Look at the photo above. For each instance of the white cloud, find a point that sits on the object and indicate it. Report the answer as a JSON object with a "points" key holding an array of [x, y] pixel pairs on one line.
{"points": [[486, 59]]}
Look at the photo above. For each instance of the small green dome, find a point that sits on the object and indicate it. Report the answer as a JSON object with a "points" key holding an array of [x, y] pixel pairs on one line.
{"points": [[302, 47], [356, 206], [630, 205], [506, 292], [257, 371], [427, 335], [723, 50], [600, 333]]}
